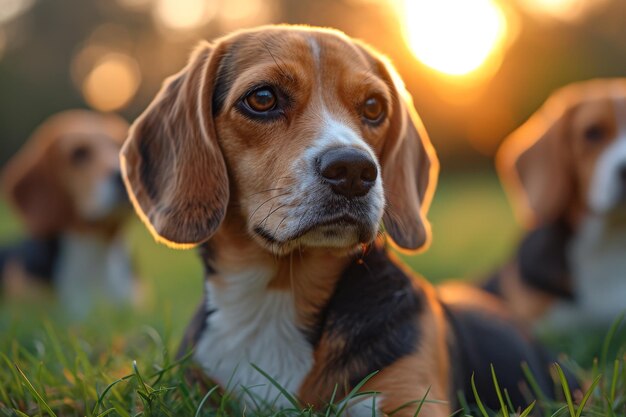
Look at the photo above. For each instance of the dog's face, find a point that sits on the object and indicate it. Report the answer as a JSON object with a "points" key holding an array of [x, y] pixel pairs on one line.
{"points": [[306, 134], [68, 173], [570, 157]]}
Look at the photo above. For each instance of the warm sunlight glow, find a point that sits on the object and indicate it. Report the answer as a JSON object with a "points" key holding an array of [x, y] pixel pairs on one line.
{"points": [[112, 82], [184, 14], [135, 4], [234, 14], [10, 9], [562, 9], [455, 37]]}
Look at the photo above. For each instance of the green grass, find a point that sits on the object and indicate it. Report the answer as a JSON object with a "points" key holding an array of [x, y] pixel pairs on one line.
{"points": [[120, 362]]}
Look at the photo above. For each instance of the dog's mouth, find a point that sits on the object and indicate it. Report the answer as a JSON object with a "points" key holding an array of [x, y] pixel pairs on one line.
{"points": [[331, 228]]}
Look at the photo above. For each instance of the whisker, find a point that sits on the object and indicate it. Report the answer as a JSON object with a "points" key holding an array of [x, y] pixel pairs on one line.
{"points": [[272, 212], [281, 222], [265, 202], [301, 218], [264, 191]]}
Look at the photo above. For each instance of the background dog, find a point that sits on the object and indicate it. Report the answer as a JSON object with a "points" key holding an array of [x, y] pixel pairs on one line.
{"points": [[66, 186], [278, 151], [565, 171]]}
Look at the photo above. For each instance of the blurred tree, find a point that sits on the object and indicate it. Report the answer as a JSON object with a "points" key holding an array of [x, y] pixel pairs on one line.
{"points": [[40, 71]]}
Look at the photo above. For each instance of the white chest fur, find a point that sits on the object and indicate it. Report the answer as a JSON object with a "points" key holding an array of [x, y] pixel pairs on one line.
{"points": [[598, 266], [90, 270], [253, 325]]}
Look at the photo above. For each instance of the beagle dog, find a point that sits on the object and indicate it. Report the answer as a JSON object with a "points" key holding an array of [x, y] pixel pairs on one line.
{"points": [[66, 186], [565, 171], [278, 151]]}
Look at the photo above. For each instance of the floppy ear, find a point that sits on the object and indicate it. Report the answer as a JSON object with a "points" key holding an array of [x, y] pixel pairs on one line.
{"points": [[172, 165], [409, 170], [30, 183], [534, 163]]}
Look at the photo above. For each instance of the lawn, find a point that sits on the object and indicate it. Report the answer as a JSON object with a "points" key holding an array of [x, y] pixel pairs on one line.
{"points": [[120, 362]]}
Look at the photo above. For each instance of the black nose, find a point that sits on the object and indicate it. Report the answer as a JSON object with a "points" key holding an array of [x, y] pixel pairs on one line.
{"points": [[350, 172]]}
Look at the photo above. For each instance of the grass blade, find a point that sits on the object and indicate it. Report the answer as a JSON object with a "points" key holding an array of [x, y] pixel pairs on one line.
{"points": [[587, 395], [292, 400], [566, 390], [98, 404], [31, 388], [614, 380], [479, 403], [503, 406], [355, 393], [205, 399], [421, 404], [528, 409], [534, 385], [609, 338]]}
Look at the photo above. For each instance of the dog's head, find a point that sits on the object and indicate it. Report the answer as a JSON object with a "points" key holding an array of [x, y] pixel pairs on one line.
{"points": [[67, 174], [569, 158], [308, 136]]}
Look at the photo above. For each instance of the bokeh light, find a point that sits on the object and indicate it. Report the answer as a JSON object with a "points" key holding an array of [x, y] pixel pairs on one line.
{"points": [[135, 4], [234, 14], [455, 37], [561, 9], [183, 14], [112, 82], [10, 9]]}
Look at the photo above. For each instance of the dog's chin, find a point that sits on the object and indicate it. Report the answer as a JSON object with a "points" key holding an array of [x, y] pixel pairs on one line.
{"points": [[341, 237]]}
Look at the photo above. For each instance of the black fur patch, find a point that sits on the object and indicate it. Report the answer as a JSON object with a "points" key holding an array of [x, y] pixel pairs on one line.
{"points": [[265, 234], [374, 309], [206, 256], [38, 257], [195, 329], [198, 325], [543, 260], [479, 340], [223, 82]]}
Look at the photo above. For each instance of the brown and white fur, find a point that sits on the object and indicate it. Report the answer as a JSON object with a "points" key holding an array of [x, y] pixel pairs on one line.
{"points": [[565, 170], [66, 186], [241, 153]]}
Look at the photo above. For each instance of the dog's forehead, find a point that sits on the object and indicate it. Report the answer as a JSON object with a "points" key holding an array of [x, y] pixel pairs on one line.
{"points": [[66, 129], [596, 99], [312, 49], [608, 111]]}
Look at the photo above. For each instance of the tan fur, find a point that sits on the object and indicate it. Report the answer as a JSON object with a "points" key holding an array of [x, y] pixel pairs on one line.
{"points": [[546, 164], [42, 184], [188, 194], [526, 304], [426, 370], [405, 382], [198, 190], [218, 177]]}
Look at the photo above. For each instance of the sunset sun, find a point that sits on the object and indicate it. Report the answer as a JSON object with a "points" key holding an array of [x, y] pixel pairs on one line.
{"points": [[455, 37]]}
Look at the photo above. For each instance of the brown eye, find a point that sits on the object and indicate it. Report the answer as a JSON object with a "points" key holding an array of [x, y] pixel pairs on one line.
{"points": [[373, 109], [595, 133], [80, 155], [261, 100]]}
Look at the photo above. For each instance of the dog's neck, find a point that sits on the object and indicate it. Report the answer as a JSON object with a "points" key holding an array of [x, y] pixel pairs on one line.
{"points": [[309, 275], [597, 265], [92, 267], [262, 309]]}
